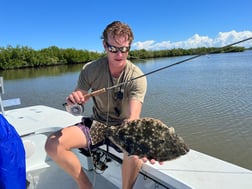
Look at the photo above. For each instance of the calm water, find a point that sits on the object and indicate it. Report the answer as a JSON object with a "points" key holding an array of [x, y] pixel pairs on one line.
{"points": [[207, 100]]}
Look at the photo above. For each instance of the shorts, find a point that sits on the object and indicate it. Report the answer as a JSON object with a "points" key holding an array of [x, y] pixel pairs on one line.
{"points": [[85, 125]]}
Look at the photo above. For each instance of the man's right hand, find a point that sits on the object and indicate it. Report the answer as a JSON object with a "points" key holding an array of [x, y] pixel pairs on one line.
{"points": [[76, 97]]}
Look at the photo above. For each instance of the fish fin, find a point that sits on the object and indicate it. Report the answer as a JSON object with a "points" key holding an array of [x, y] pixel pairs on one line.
{"points": [[112, 140], [97, 132]]}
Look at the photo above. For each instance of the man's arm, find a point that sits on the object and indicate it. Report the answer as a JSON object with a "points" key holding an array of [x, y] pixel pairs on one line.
{"points": [[135, 108]]}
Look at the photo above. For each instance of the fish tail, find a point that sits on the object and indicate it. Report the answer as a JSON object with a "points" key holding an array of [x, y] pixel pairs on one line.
{"points": [[97, 132], [181, 145]]}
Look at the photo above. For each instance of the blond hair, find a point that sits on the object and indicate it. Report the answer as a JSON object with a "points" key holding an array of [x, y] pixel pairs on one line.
{"points": [[118, 29]]}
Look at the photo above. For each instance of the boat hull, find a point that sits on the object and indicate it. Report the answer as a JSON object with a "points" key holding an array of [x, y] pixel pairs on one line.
{"points": [[193, 170]]}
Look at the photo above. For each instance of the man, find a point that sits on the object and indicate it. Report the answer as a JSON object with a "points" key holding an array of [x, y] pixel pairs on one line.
{"points": [[12, 157], [113, 107]]}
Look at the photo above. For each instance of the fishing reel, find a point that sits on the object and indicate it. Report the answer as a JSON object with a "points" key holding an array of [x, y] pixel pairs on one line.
{"points": [[100, 159], [75, 109]]}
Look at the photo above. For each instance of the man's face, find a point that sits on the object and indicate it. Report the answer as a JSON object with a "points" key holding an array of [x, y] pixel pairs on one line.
{"points": [[117, 50]]}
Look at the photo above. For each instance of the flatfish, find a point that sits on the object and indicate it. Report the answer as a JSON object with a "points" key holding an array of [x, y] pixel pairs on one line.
{"points": [[144, 137]]}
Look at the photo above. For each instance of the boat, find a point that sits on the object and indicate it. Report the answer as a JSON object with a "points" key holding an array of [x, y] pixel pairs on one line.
{"points": [[193, 170]]}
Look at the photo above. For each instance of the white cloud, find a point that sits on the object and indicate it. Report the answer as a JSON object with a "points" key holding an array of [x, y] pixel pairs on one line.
{"points": [[144, 45], [222, 39]]}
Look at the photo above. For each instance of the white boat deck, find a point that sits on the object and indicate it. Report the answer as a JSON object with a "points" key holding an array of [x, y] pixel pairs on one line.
{"points": [[194, 170]]}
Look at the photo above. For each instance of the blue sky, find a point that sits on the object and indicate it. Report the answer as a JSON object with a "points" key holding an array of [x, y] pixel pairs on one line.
{"points": [[160, 24]]}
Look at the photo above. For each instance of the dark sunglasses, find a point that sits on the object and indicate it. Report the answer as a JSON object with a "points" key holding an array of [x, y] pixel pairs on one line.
{"points": [[114, 49]]}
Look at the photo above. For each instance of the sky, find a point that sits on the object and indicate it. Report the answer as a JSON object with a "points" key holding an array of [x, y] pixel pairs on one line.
{"points": [[157, 25]]}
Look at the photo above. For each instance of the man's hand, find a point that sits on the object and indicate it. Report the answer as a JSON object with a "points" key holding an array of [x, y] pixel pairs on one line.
{"points": [[76, 97], [145, 159], [152, 161]]}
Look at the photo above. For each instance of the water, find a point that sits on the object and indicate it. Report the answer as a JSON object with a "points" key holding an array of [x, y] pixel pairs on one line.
{"points": [[207, 100]]}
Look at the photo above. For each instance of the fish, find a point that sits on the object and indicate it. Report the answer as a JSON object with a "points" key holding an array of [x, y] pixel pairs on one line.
{"points": [[144, 137]]}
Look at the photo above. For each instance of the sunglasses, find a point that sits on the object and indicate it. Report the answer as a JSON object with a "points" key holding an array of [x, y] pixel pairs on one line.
{"points": [[114, 49]]}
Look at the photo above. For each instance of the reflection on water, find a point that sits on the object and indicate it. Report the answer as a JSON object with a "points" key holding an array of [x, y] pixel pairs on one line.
{"points": [[38, 72], [208, 100]]}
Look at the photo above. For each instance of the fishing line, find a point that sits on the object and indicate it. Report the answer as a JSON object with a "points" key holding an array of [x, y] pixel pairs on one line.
{"points": [[97, 92]]}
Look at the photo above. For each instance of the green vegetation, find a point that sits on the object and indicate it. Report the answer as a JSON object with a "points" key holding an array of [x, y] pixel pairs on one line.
{"points": [[23, 57], [142, 54]]}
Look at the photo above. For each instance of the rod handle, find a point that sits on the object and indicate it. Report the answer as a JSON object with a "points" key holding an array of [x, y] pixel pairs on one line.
{"points": [[94, 93]]}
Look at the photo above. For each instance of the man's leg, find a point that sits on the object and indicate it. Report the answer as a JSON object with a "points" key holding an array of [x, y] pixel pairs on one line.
{"points": [[130, 169], [59, 145]]}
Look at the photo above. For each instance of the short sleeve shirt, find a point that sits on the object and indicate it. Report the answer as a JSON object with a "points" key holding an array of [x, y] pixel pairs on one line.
{"points": [[109, 106]]}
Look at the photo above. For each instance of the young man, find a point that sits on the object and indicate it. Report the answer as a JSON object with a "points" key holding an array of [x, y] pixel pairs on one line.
{"points": [[113, 107]]}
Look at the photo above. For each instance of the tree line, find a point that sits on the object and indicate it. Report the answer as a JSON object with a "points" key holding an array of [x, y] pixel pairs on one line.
{"points": [[25, 57]]}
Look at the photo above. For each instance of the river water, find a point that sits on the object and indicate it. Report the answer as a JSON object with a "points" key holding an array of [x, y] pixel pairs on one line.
{"points": [[207, 100]]}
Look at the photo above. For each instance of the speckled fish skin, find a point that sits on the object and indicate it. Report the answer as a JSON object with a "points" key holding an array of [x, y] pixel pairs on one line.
{"points": [[144, 137]]}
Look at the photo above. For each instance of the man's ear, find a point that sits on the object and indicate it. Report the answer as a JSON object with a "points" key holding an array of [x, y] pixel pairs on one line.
{"points": [[104, 44]]}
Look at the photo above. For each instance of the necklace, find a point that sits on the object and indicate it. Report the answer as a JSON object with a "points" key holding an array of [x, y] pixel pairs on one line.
{"points": [[117, 92]]}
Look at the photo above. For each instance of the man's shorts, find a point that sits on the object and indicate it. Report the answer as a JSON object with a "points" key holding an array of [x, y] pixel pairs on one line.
{"points": [[85, 125]]}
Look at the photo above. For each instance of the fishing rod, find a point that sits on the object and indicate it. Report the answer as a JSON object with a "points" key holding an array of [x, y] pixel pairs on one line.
{"points": [[97, 92], [77, 109]]}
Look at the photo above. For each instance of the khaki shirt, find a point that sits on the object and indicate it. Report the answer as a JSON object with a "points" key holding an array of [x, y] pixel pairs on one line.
{"points": [[95, 75]]}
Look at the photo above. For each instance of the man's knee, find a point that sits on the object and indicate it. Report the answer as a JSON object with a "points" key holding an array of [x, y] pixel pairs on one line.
{"points": [[51, 144]]}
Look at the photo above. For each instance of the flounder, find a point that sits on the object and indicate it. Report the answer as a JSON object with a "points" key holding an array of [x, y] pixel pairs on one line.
{"points": [[144, 137]]}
